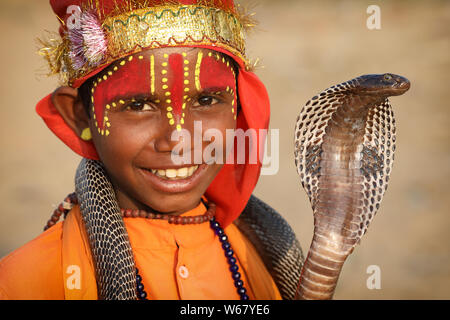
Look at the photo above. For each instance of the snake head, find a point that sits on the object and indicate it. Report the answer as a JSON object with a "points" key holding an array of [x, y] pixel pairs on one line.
{"points": [[382, 85]]}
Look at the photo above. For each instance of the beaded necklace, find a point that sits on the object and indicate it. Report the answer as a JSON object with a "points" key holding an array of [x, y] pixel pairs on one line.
{"points": [[71, 200]]}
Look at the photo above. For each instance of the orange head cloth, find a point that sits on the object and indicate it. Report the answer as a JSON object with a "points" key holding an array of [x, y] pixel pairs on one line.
{"points": [[234, 184]]}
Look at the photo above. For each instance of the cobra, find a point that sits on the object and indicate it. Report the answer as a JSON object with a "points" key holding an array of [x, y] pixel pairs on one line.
{"points": [[344, 152]]}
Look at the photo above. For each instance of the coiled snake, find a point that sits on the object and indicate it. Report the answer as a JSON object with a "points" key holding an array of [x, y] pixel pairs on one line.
{"points": [[344, 150]]}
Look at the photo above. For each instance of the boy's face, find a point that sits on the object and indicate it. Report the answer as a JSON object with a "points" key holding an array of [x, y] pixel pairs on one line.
{"points": [[139, 101]]}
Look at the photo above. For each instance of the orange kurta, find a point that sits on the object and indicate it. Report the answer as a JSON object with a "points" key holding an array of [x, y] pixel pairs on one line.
{"points": [[175, 262]]}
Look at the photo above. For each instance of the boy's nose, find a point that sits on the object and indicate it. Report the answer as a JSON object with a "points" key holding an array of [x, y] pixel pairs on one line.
{"points": [[168, 138], [164, 143]]}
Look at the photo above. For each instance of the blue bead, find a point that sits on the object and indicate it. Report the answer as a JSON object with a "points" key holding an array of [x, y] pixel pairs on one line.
{"points": [[236, 276], [140, 287], [143, 295], [231, 260], [138, 278], [229, 253], [215, 224], [234, 268]]}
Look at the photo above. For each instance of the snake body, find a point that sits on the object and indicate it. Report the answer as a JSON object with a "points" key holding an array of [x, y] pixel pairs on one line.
{"points": [[344, 152], [108, 237]]}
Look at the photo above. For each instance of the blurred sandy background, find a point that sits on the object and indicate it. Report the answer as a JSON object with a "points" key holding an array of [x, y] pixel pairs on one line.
{"points": [[305, 47]]}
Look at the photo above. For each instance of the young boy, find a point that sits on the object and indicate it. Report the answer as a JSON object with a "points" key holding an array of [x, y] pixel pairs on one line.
{"points": [[142, 224]]}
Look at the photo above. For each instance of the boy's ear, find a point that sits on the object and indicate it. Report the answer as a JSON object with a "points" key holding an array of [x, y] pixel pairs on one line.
{"points": [[69, 105]]}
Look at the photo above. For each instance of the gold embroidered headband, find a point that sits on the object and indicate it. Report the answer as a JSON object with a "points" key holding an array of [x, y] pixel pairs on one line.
{"points": [[89, 43]]}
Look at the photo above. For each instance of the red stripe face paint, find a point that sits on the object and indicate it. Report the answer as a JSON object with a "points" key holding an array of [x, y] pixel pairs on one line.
{"points": [[127, 78], [187, 75], [171, 81], [216, 72], [176, 62]]}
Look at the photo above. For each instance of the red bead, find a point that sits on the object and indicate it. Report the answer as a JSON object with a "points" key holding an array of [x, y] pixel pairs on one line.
{"points": [[54, 218], [61, 208], [178, 220], [209, 214], [50, 223], [57, 213], [127, 213], [142, 214]]}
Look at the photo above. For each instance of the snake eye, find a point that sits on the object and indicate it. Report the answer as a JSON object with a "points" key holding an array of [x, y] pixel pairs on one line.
{"points": [[387, 77]]}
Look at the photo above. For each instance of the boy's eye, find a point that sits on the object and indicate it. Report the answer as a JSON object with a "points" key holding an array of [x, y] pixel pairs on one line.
{"points": [[205, 101], [139, 106]]}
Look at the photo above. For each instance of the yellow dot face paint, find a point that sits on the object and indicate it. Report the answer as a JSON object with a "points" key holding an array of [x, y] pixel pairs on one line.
{"points": [[176, 79], [104, 100]]}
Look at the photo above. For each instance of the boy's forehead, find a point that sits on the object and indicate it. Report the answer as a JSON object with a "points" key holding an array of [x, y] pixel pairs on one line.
{"points": [[159, 58], [170, 75], [164, 65]]}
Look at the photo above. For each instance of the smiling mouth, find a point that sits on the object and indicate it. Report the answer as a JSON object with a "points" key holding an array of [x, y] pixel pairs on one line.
{"points": [[174, 174]]}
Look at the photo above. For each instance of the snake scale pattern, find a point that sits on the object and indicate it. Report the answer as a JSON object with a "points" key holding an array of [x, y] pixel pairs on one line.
{"points": [[276, 242], [108, 237], [344, 152]]}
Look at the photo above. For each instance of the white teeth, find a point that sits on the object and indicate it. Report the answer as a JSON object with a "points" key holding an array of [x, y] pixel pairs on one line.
{"points": [[171, 173], [182, 173], [161, 173], [175, 173]]}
